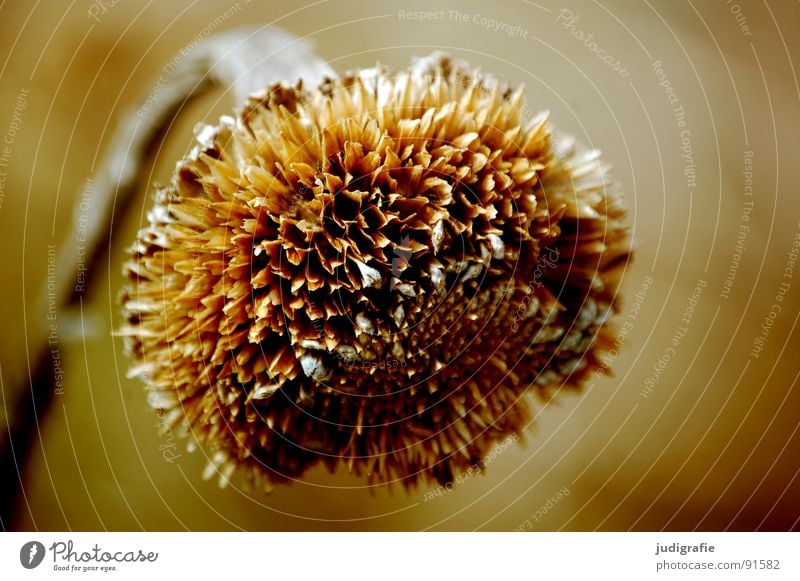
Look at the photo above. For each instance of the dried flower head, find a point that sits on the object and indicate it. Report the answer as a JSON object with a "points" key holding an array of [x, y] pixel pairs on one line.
{"points": [[374, 272]]}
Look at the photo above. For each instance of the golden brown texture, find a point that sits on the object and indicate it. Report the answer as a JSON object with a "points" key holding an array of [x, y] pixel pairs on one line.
{"points": [[376, 272]]}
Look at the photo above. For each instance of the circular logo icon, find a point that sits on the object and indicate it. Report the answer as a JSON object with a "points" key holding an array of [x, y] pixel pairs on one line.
{"points": [[31, 554]]}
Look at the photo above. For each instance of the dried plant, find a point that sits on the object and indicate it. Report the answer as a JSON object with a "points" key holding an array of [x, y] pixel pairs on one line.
{"points": [[373, 272]]}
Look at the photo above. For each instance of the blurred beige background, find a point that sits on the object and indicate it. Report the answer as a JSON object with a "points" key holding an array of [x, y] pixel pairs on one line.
{"points": [[706, 440]]}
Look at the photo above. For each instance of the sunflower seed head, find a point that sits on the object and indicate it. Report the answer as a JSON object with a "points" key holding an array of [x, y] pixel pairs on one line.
{"points": [[262, 270]]}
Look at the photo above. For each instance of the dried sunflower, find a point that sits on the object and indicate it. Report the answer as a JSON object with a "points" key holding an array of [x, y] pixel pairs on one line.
{"points": [[373, 272]]}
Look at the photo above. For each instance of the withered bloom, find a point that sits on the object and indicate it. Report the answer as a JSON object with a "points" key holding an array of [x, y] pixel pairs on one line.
{"points": [[374, 272]]}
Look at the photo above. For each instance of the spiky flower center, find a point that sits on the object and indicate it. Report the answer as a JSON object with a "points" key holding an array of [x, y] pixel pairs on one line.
{"points": [[375, 271]]}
